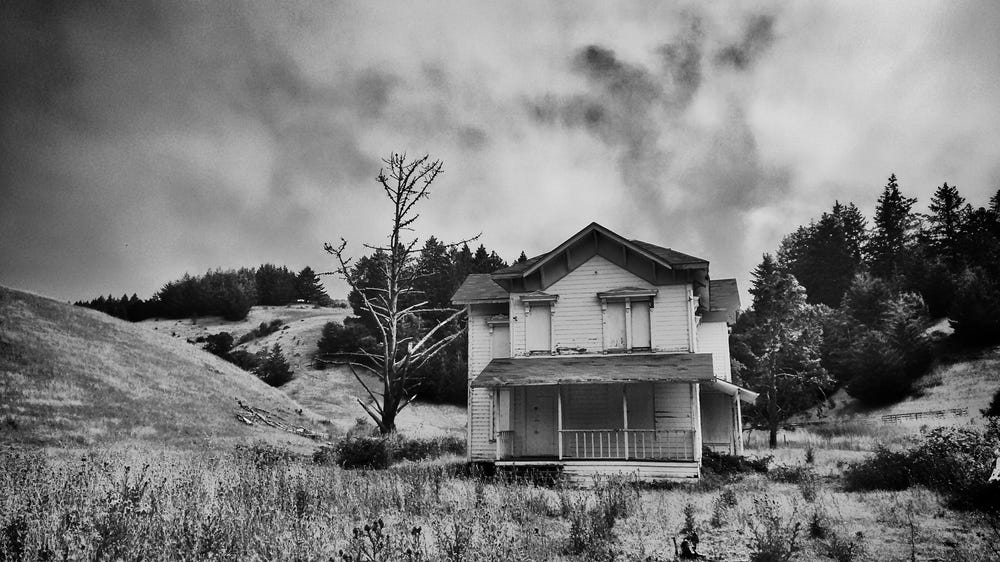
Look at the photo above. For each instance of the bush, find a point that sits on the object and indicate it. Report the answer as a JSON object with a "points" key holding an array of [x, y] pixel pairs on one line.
{"points": [[362, 452], [726, 465], [993, 410], [772, 537], [219, 344], [954, 462], [885, 470], [975, 312], [244, 359], [265, 329]]}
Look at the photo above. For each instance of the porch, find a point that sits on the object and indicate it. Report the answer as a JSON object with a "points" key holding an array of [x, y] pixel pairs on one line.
{"points": [[644, 413], [597, 422]]}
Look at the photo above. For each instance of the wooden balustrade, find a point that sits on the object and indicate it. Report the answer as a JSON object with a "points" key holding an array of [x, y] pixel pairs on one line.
{"points": [[651, 444]]}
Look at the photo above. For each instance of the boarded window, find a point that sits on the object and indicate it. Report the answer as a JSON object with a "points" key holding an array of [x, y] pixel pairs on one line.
{"points": [[500, 341], [614, 326], [640, 325], [503, 410], [539, 328]]}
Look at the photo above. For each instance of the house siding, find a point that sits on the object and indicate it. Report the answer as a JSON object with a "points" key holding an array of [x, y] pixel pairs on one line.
{"points": [[577, 318], [713, 337], [481, 445]]}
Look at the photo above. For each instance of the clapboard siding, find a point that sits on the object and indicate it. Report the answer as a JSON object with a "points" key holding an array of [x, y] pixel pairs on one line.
{"points": [[672, 405], [713, 337], [577, 322], [481, 445]]}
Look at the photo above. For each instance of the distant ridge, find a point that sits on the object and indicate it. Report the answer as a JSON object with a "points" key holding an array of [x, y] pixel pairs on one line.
{"points": [[73, 377]]}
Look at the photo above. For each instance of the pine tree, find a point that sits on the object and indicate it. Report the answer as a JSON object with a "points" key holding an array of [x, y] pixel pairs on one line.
{"points": [[948, 213], [522, 258], [894, 231], [825, 255], [777, 345], [309, 288]]}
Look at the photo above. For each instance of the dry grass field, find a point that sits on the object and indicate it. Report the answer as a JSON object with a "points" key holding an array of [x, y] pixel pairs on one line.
{"points": [[260, 503]]}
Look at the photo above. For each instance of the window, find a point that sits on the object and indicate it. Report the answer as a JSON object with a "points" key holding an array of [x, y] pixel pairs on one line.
{"points": [[539, 328], [626, 319]]}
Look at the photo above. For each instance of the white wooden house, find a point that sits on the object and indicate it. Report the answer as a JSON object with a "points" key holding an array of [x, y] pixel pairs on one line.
{"points": [[604, 355]]}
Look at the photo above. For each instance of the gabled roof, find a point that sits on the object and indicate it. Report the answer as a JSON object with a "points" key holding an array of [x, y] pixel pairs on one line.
{"points": [[665, 257], [479, 288], [675, 258], [535, 371]]}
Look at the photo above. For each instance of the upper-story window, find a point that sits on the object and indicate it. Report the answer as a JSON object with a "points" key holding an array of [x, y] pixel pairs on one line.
{"points": [[538, 321], [626, 319], [499, 325]]}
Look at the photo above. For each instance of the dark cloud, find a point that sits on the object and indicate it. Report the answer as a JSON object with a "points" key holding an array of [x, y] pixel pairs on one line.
{"points": [[679, 176], [757, 37]]}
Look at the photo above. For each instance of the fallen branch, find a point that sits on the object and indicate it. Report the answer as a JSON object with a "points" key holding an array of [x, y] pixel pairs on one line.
{"points": [[273, 421]]}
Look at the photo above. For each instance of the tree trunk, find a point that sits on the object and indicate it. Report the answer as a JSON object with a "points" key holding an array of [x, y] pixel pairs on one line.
{"points": [[772, 423]]}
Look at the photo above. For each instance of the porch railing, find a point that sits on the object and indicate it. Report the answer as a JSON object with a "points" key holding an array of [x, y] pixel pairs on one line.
{"points": [[505, 444], [652, 444]]}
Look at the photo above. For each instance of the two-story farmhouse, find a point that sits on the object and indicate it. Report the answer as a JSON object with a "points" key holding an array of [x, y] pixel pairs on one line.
{"points": [[604, 355]]}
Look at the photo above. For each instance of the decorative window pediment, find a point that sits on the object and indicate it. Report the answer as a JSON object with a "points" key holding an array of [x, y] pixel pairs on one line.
{"points": [[623, 293]]}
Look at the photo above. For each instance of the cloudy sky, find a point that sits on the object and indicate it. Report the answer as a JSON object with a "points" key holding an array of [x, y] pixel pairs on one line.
{"points": [[141, 140]]}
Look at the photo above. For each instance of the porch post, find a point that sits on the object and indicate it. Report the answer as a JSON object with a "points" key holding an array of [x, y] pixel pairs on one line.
{"points": [[739, 425], [625, 416], [696, 419], [559, 422]]}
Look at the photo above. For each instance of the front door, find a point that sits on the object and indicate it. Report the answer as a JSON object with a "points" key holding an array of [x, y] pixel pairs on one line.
{"points": [[540, 421]]}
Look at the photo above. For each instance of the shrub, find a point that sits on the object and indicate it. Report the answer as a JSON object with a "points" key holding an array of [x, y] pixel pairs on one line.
{"points": [[219, 344], [244, 359], [726, 465], [954, 462], [362, 452], [993, 410], [884, 470], [844, 549], [773, 538], [975, 312]]}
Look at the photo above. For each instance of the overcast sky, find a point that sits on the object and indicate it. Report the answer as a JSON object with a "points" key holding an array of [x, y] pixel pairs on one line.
{"points": [[141, 140]]}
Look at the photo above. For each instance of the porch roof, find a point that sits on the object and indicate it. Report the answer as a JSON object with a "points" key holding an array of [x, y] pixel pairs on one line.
{"points": [[596, 369], [731, 389]]}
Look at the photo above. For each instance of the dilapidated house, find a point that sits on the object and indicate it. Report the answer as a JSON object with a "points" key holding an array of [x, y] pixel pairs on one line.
{"points": [[604, 355]]}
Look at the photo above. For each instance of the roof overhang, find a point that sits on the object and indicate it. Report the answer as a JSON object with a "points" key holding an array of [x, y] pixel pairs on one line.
{"points": [[587, 231], [731, 389], [597, 369]]}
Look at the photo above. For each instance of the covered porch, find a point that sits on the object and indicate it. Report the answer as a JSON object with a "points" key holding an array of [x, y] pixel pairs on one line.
{"points": [[630, 409]]}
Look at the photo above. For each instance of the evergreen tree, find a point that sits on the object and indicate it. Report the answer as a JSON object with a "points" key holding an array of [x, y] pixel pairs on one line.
{"points": [[825, 255], [777, 347], [894, 232], [273, 368], [522, 258], [309, 288], [948, 213]]}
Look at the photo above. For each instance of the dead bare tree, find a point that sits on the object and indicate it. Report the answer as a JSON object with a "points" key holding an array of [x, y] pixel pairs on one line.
{"points": [[395, 306]]}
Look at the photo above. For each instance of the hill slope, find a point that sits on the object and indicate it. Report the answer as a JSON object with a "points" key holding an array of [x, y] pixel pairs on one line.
{"points": [[70, 376], [967, 382]]}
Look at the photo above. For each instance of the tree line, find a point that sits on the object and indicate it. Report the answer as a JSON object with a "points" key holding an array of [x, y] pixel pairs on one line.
{"points": [[226, 293], [846, 304], [437, 272]]}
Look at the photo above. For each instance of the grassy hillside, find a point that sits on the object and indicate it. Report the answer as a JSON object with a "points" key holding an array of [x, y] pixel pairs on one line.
{"points": [[70, 377], [332, 392]]}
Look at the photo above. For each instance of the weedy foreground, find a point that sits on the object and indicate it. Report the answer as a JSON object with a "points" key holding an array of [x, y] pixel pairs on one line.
{"points": [[262, 503]]}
